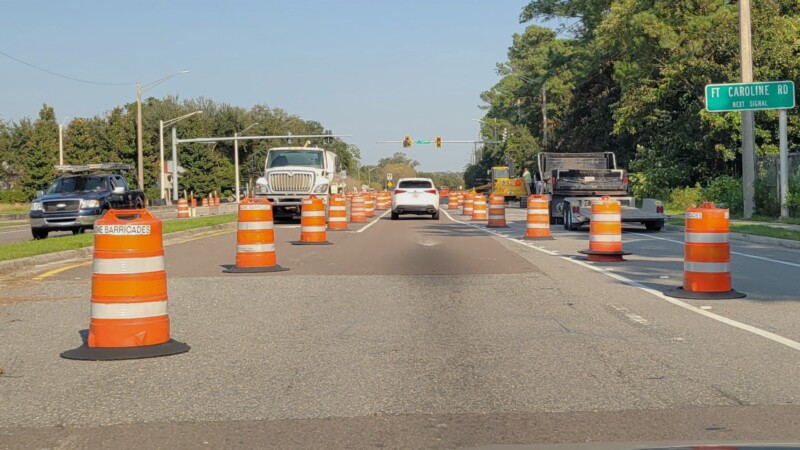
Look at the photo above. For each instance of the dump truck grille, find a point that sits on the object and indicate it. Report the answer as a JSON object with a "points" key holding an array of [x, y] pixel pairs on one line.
{"points": [[291, 181]]}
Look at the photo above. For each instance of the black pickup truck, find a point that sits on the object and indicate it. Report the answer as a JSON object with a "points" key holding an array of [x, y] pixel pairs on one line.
{"points": [[74, 202]]}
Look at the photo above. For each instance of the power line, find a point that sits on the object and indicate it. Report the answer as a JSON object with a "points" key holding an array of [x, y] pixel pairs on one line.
{"points": [[62, 75]]}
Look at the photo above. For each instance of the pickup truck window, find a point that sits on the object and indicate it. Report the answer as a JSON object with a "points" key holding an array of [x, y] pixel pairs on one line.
{"points": [[280, 158], [117, 180], [77, 184]]}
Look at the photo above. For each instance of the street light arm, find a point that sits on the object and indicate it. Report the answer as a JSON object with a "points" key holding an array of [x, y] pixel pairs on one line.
{"points": [[178, 119], [161, 80]]}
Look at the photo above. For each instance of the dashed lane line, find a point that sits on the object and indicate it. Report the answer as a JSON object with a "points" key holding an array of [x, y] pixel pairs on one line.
{"points": [[742, 326]]}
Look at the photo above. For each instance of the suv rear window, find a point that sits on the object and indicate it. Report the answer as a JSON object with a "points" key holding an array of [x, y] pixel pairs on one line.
{"points": [[415, 184]]}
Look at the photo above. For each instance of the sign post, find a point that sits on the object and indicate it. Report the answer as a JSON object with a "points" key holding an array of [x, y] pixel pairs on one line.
{"points": [[758, 96]]}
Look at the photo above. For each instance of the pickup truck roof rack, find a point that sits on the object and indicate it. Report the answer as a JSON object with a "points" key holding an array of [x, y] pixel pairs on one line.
{"points": [[97, 167]]}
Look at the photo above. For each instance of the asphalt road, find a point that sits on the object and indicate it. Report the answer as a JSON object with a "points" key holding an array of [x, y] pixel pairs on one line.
{"points": [[20, 233], [414, 334]]}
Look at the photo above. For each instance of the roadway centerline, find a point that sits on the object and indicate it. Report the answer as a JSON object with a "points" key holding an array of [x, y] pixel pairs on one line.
{"points": [[742, 326]]}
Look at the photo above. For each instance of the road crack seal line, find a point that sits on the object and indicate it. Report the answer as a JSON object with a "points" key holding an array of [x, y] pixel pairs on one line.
{"points": [[742, 326]]}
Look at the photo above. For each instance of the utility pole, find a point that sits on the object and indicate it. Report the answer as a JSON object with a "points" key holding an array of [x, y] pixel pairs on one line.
{"points": [[140, 166], [544, 117], [60, 144], [748, 126]]}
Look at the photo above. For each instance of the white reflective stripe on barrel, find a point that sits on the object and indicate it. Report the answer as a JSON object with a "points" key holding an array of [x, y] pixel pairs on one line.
{"points": [[255, 248], [705, 267], [538, 225], [255, 207], [337, 219], [129, 265], [603, 217], [305, 213], [491, 217], [707, 238], [256, 225], [605, 238], [538, 211], [312, 229], [337, 208], [128, 310]]}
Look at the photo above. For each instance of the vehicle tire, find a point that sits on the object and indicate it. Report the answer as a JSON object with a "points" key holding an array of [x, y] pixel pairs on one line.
{"points": [[435, 216], [138, 204], [39, 234], [395, 216], [76, 231], [567, 219], [655, 225], [523, 202]]}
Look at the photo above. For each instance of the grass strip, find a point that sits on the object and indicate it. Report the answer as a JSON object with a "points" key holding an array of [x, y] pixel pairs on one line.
{"points": [[29, 248], [7, 208]]}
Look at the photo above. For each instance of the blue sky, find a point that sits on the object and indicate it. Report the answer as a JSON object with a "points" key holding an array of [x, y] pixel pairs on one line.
{"points": [[374, 69]]}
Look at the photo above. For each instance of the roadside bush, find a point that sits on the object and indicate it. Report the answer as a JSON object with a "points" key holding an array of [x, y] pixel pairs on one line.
{"points": [[685, 197], [726, 191], [793, 196], [12, 196], [767, 203]]}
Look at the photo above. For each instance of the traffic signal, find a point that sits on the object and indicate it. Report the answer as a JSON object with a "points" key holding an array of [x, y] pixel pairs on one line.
{"points": [[438, 142], [407, 141]]}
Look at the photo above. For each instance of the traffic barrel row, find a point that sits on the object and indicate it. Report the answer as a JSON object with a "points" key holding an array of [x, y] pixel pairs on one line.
{"points": [[452, 201]]}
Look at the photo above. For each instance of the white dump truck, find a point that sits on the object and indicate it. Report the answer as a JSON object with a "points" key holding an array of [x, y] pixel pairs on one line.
{"points": [[293, 173]]}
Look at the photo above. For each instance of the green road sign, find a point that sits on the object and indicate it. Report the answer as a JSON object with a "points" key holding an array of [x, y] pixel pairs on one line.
{"points": [[750, 96], [421, 141]]}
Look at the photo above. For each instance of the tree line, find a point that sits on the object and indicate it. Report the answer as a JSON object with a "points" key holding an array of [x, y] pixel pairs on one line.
{"points": [[628, 76], [29, 148]]}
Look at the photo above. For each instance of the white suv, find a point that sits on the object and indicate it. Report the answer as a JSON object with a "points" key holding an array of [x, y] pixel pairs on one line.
{"points": [[415, 196]]}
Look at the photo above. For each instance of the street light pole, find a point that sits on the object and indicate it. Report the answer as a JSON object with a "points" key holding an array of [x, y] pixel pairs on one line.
{"points": [[174, 165], [162, 182], [140, 166], [236, 159], [139, 151], [61, 141]]}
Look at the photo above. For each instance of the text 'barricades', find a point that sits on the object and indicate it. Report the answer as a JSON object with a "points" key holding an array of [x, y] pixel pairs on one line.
{"points": [[255, 238], [129, 318], [707, 255]]}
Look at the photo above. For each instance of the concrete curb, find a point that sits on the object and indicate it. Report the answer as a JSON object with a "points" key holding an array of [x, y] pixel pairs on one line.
{"points": [[786, 243], [13, 216], [21, 263]]}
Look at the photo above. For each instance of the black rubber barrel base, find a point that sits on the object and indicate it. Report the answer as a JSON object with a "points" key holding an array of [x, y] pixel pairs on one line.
{"points": [[86, 353], [310, 243], [234, 269], [680, 292]]}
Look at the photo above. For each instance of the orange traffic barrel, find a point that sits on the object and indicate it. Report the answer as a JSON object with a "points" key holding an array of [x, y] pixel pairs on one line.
{"points": [[358, 213], [205, 201], [479, 207], [452, 202], [337, 213], [707, 255], [255, 238], [468, 203], [194, 202], [129, 318], [460, 198], [497, 211], [369, 204], [312, 222], [384, 201], [605, 232], [537, 226], [183, 208]]}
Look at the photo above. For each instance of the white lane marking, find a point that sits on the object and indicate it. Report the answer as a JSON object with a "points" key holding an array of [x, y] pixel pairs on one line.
{"points": [[374, 221], [742, 326], [632, 316], [746, 255]]}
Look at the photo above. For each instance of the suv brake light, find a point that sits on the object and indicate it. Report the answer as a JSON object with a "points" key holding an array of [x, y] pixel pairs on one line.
{"points": [[430, 191], [399, 191]]}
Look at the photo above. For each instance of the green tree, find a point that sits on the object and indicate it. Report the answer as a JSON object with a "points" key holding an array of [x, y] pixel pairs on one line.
{"points": [[40, 154]]}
